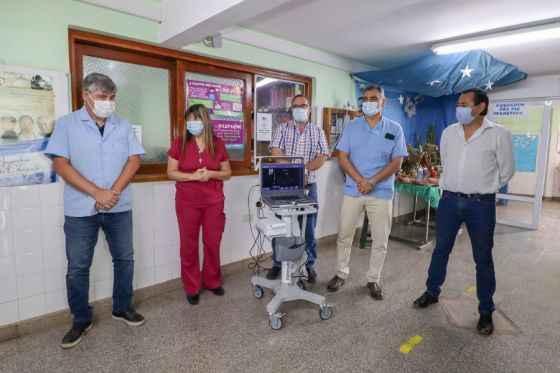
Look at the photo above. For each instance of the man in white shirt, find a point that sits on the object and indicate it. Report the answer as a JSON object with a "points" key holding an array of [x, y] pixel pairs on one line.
{"points": [[477, 159]]}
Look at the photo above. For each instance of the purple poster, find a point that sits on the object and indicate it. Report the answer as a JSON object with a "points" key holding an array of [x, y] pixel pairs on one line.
{"points": [[230, 131], [215, 96]]}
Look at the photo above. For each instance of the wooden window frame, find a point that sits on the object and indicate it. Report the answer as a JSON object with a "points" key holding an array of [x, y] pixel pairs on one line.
{"points": [[178, 62], [328, 112]]}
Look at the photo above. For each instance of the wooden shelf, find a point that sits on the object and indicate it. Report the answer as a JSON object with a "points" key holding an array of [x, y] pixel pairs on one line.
{"points": [[333, 122]]}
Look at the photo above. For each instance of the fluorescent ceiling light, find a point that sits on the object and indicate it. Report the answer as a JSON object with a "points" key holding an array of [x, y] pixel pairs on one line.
{"points": [[265, 81], [499, 39]]}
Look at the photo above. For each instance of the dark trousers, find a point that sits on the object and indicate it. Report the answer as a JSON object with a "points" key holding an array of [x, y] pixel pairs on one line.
{"points": [[479, 215], [81, 238], [310, 243]]}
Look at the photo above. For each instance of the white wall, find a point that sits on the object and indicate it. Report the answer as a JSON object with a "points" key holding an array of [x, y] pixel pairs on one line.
{"points": [[32, 256], [536, 87], [532, 87]]}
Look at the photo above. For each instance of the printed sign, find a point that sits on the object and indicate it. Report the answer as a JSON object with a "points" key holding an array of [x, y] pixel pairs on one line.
{"points": [[230, 131], [525, 150], [27, 120], [25, 163], [264, 126], [509, 109], [223, 98]]}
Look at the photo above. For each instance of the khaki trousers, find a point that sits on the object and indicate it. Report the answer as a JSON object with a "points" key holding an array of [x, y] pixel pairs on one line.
{"points": [[379, 212]]}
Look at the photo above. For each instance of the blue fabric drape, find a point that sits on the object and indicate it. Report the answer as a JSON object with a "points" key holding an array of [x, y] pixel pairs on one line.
{"points": [[424, 92], [441, 75], [417, 113]]}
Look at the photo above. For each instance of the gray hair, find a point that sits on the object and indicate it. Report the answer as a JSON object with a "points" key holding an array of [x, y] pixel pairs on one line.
{"points": [[376, 87], [98, 82]]}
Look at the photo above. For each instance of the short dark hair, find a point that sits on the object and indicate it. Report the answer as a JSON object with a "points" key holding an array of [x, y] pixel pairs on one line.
{"points": [[301, 95], [479, 97], [376, 87]]}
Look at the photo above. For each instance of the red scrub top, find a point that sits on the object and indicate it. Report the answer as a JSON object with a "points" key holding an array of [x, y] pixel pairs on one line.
{"points": [[197, 193]]}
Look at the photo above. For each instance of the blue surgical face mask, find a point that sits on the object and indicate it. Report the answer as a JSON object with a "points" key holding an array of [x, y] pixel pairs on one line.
{"points": [[300, 114], [370, 108], [463, 115], [195, 127]]}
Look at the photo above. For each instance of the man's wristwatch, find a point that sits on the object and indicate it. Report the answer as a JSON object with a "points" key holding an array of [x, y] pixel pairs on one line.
{"points": [[372, 182]]}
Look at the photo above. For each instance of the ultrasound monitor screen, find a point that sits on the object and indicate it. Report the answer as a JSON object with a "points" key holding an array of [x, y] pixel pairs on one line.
{"points": [[281, 176]]}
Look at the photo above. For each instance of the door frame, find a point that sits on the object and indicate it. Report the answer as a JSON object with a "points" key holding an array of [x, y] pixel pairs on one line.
{"points": [[542, 159]]}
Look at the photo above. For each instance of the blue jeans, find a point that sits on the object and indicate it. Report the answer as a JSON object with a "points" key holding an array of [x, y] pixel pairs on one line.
{"points": [[81, 237], [310, 243], [479, 215]]}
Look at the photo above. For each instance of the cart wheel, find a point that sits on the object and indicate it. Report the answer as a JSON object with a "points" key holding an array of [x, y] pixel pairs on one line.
{"points": [[275, 322], [301, 284], [258, 291], [325, 312]]}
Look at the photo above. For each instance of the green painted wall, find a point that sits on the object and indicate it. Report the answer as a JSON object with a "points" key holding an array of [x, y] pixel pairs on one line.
{"points": [[331, 87], [34, 33]]}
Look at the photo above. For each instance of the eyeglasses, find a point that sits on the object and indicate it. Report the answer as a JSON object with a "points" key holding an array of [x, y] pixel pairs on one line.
{"points": [[369, 99], [304, 106]]}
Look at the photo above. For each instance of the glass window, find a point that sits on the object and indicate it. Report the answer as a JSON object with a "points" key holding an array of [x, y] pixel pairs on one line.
{"points": [[142, 99], [273, 98]]}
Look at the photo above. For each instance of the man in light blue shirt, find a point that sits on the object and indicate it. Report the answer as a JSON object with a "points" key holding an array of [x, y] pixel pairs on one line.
{"points": [[371, 151], [97, 154]]}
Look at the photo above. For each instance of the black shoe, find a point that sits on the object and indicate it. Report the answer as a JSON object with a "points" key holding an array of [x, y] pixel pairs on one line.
{"points": [[485, 324], [425, 300], [193, 299], [75, 334], [218, 291], [130, 317], [273, 273], [311, 275]]}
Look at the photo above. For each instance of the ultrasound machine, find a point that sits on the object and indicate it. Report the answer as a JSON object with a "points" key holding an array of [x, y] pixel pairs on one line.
{"points": [[283, 192]]}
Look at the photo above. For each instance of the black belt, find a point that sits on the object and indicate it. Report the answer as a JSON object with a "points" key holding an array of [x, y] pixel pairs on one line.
{"points": [[470, 195]]}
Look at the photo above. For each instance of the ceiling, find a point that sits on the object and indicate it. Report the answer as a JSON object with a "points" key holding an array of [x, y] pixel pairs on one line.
{"points": [[386, 33]]}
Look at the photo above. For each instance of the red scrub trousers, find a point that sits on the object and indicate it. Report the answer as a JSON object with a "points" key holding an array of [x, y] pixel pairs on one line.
{"points": [[199, 205]]}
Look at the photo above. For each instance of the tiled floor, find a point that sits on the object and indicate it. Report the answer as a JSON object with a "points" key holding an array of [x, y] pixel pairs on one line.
{"points": [[232, 334]]}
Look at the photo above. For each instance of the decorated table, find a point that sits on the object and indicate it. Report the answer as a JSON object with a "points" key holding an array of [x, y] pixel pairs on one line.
{"points": [[430, 193]]}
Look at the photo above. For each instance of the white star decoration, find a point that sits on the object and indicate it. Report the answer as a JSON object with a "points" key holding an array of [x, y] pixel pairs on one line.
{"points": [[434, 82], [489, 85], [401, 99], [466, 72]]}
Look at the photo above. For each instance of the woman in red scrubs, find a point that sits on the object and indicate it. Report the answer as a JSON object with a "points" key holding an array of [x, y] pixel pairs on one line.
{"points": [[199, 162]]}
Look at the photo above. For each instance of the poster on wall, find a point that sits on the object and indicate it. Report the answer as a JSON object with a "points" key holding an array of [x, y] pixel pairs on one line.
{"points": [[524, 121], [30, 101], [264, 126], [525, 150], [223, 97]]}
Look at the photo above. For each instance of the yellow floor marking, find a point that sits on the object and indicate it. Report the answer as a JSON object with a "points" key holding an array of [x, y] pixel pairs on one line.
{"points": [[407, 347], [471, 290]]}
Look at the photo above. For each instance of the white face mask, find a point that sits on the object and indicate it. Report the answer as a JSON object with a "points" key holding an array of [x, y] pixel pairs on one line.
{"points": [[102, 109]]}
